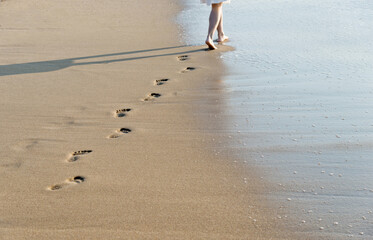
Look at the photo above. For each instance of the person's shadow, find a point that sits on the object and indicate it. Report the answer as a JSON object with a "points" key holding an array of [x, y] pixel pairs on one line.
{"points": [[54, 65]]}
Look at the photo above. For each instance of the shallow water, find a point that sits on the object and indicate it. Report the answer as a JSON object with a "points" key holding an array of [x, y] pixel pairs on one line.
{"points": [[299, 94]]}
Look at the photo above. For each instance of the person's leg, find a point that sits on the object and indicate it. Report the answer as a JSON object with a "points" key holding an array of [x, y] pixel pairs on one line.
{"points": [[221, 36], [215, 15]]}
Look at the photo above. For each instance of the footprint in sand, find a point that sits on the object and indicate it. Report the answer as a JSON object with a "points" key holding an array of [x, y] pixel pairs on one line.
{"points": [[183, 57], [68, 182], [120, 132], [122, 112], [188, 69], [152, 96], [75, 156], [161, 81]]}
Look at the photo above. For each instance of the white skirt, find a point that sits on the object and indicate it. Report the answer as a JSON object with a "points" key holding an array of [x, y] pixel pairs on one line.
{"points": [[209, 2]]}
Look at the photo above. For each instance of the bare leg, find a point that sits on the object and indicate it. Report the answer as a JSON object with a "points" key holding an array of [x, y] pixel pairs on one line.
{"points": [[221, 36], [215, 17]]}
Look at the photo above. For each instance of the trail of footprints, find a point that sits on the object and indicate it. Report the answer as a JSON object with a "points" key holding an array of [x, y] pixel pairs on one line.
{"points": [[78, 155]]}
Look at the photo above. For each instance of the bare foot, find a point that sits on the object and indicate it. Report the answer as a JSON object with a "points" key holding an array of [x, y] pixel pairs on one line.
{"points": [[210, 44], [222, 39]]}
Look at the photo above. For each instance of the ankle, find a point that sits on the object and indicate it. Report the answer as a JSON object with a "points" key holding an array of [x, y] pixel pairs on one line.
{"points": [[221, 34]]}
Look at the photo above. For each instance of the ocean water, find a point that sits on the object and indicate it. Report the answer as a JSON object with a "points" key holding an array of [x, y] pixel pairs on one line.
{"points": [[299, 96]]}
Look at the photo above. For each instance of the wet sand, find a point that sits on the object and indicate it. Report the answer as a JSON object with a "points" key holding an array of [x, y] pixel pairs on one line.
{"points": [[101, 128], [297, 102]]}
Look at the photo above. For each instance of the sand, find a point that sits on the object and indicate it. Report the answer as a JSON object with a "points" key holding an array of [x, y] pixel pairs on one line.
{"points": [[73, 166], [299, 91]]}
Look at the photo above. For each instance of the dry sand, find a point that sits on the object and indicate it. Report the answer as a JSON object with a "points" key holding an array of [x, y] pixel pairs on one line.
{"points": [[65, 68]]}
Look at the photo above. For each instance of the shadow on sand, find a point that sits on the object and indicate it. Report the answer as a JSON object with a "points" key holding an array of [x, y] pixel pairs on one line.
{"points": [[54, 65]]}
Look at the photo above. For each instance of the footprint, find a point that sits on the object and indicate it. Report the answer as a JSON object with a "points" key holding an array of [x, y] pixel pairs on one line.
{"points": [[56, 187], [152, 96], [75, 156], [68, 182], [122, 112], [183, 57], [188, 69], [161, 81], [76, 179], [120, 132]]}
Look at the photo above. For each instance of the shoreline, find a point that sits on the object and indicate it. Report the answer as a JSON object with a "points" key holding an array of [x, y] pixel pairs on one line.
{"points": [[156, 180], [299, 116]]}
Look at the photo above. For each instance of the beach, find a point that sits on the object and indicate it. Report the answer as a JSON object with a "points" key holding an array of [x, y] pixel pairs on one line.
{"points": [[108, 128], [116, 123], [298, 97]]}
